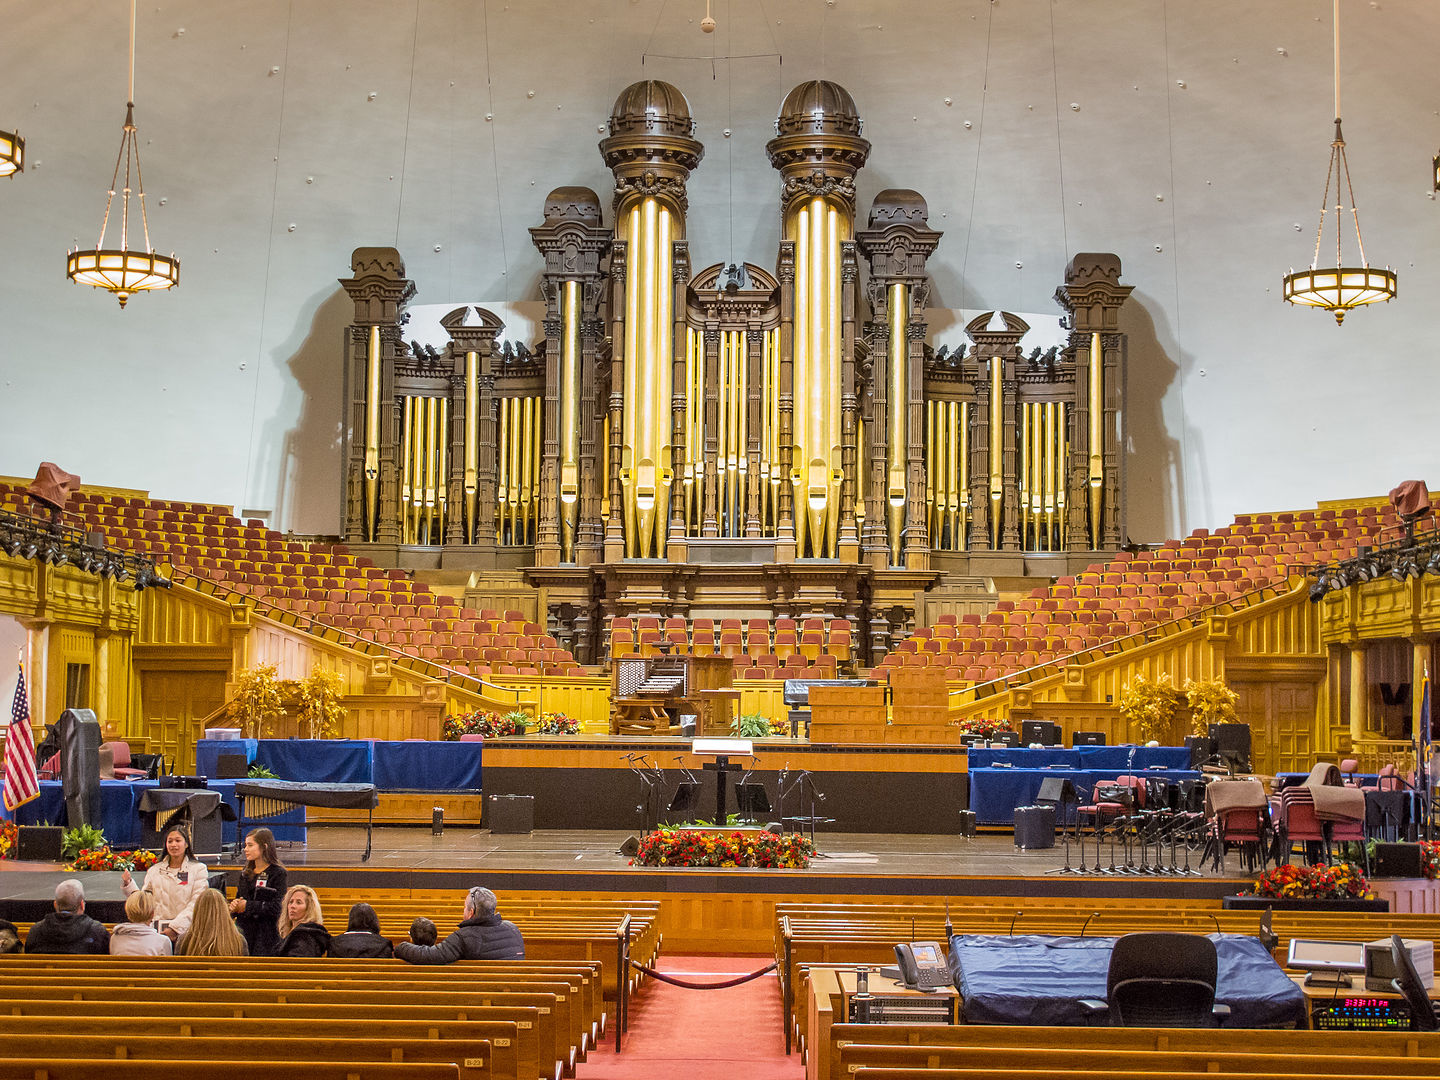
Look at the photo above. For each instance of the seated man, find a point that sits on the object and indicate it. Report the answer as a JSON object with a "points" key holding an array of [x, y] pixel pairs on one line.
{"points": [[483, 935], [68, 929]]}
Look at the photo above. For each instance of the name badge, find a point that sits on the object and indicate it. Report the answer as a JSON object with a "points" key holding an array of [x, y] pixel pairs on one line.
{"points": [[183, 877], [260, 882]]}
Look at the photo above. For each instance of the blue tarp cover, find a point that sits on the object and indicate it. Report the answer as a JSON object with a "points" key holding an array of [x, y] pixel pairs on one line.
{"points": [[1040, 980]]}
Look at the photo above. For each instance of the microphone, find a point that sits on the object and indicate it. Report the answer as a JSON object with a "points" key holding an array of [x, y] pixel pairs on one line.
{"points": [[1093, 915], [1015, 918], [949, 930], [1216, 921]]}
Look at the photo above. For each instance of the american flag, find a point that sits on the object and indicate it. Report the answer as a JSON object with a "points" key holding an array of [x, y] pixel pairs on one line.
{"points": [[21, 781]]}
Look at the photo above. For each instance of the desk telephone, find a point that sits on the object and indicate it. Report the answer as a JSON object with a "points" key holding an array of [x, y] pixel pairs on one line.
{"points": [[922, 966]]}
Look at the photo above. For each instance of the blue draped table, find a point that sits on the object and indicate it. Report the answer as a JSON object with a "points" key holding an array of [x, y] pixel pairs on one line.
{"points": [[996, 792], [120, 811], [1040, 980], [1082, 757], [412, 765]]}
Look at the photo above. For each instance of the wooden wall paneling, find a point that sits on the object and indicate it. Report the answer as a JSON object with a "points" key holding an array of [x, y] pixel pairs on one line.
{"points": [[171, 705]]}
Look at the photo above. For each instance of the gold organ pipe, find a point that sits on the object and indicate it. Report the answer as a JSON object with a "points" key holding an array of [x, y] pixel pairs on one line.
{"points": [[1037, 472], [997, 447], [773, 405], [527, 473], [1050, 448], [502, 468], [407, 433], [472, 440], [798, 230], [742, 439], [862, 472], [956, 439], [664, 372], [442, 470], [605, 466], [722, 433], [513, 437], [1097, 437], [898, 409], [569, 419], [432, 414], [417, 471], [372, 431], [1062, 453], [630, 416], [932, 471], [962, 485], [537, 434], [1025, 463]]}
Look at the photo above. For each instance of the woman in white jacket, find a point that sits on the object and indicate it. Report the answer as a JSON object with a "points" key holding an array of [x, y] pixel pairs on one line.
{"points": [[177, 880]]}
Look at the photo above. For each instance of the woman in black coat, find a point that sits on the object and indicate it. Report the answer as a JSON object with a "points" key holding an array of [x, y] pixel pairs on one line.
{"points": [[361, 939], [302, 926], [257, 902]]}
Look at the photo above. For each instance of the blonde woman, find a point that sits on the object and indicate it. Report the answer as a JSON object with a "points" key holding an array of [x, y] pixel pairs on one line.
{"points": [[301, 926], [137, 936], [212, 932]]}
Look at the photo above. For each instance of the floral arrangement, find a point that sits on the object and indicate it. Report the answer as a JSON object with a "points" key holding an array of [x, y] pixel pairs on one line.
{"points": [[9, 838], [1150, 706], [491, 725], [979, 727], [1429, 858], [73, 841], [1211, 702], [257, 702], [696, 847], [779, 726], [1343, 881], [557, 723], [262, 699], [102, 858]]}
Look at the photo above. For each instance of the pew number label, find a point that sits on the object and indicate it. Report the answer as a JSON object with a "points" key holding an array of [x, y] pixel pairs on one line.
{"points": [[502, 1042], [474, 1063]]}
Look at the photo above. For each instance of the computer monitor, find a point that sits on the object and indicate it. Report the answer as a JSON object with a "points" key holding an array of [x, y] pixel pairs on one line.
{"points": [[1339, 958], [1039, 731]]}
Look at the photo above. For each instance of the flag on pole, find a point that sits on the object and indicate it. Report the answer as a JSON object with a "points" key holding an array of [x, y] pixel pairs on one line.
{"points": [[22, 783]]}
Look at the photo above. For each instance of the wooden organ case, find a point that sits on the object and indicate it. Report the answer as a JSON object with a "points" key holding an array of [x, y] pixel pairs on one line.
{"points": [[650, 694]]}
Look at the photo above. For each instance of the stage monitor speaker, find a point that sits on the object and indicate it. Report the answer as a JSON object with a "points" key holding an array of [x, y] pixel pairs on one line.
{"points": [[631, 847], [1034, 827], [752, 800], [1039, 731], [967, 823], [1232, 745], [1056, 789], [1397, 861], [687, 795], [510, 814], [40, 843], [231, 767], [1087, 738]]}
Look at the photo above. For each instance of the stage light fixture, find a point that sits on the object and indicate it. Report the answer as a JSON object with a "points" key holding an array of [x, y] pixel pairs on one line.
{"points": [[1318, 589], [1340, 288], [27, 551], [1432, 565], [12, 153], [121, 270]]}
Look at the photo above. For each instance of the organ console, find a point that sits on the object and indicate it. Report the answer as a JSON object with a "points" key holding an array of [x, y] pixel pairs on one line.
{"points": [[650, 694]]}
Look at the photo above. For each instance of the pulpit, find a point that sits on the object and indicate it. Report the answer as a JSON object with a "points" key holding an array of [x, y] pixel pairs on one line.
{"points": [[650, 694]]}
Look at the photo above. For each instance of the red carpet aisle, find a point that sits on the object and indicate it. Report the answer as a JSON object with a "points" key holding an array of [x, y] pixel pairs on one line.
{"points": [[702, 1034]]}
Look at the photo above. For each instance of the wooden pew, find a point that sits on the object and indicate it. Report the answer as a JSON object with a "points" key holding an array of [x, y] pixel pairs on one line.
{"points": [[208, 1049], [1298, 1045], [1065, 1061], [110, 1068], [1289, 1070]]}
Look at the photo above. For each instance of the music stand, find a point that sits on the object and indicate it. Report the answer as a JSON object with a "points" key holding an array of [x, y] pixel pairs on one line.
{"points": [[804, 786], [687, 795], [653, 782], [751, 800]]}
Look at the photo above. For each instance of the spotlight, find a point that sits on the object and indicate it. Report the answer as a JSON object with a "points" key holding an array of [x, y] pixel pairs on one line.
{"points": [[28, 550], [1432, 566], [1318, 590]]}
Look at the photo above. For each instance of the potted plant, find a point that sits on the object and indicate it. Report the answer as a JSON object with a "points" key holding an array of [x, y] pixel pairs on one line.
{"points": [[318, 703], [1341, 887], [258, 701], [1150, 707], [1210, 702]]}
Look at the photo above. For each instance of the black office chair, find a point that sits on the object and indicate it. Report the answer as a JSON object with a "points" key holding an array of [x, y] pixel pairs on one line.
{"points": [[1408, 985], [1162, 980]]}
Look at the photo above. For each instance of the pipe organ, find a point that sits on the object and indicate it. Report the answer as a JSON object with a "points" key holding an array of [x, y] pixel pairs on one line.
{"points": [[735, 417]]}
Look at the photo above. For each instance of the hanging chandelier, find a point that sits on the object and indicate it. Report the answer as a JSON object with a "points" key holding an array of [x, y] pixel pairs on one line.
{"points": [[12, 153], [122, 270], [1340, 288]]}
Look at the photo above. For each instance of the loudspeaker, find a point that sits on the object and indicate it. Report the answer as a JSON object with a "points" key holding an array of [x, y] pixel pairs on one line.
{"points": [[1232, 744], [1034, 827], [510, 813], [1202, 750], [967, 823], [1039, 731], [231, 767], [39, 843], [1397, 860], [1087, 738], [631, 847], [1056, 789]]}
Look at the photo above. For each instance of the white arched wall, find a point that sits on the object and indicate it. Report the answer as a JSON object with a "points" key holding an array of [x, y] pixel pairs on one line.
{"points": [[1198, 145]]}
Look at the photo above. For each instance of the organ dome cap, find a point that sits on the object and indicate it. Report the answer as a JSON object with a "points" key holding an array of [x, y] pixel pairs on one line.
{"points": [[818, 107], [895, 205], [572, 204], [651, 106]]}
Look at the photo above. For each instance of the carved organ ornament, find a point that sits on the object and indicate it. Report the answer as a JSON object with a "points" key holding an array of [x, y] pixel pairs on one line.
{"points": [[794, 409]]}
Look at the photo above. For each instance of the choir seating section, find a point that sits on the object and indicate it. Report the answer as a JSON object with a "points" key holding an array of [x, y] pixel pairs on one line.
{"points": [[322, 583], [1136, 592]]}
